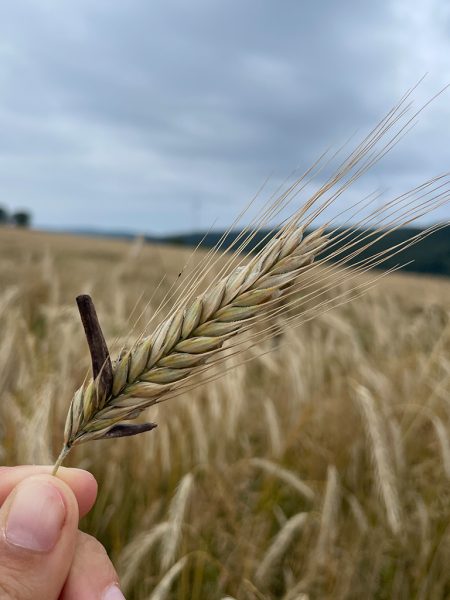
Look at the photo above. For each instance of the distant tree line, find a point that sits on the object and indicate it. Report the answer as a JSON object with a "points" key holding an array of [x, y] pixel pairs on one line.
{"points": [[430, 255], [20, 218]]}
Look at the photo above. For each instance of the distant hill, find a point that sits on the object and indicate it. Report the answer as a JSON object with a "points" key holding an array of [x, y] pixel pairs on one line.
{"points": [[431, 255]]}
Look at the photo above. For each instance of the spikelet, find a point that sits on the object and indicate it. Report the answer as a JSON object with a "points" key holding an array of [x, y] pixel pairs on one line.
{"points": [[278, 548], [181, 345], [329, 515], [177, 511], [135, 552], [162, 590], [381, 458], [199, 329]]}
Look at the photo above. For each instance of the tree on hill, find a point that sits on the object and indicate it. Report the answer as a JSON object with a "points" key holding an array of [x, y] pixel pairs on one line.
{"points": [[4, 216], [21, 219]]}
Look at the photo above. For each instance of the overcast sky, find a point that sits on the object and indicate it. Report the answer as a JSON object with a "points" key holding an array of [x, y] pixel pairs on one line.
{"points": [[163, 116]]}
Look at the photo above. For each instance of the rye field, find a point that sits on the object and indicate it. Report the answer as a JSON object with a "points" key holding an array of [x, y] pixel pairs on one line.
{"points": [[315, 466]]}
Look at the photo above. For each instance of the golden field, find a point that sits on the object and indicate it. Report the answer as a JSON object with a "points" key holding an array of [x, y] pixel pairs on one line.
{"points": [[317, 469]]}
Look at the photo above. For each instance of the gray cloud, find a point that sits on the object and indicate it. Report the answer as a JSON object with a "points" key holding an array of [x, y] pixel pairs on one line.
{"points": [[136, 114]]}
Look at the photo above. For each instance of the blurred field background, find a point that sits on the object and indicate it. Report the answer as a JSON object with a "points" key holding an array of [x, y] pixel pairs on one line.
{"points": [[318, 470]]}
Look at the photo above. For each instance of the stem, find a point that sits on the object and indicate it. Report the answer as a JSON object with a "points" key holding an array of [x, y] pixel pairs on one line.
{"points": [[64, 452]]}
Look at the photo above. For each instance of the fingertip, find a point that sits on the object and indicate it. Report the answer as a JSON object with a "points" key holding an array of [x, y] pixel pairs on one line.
{"points": [[39, 529], [86, 491], [32, 488], [83, 484]]}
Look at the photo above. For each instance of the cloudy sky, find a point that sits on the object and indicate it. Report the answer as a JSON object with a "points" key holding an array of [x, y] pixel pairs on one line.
{"points": [[163, 116]]}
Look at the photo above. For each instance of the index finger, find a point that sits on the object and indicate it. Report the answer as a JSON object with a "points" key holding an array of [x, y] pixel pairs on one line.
{"points": [[81, 482]]}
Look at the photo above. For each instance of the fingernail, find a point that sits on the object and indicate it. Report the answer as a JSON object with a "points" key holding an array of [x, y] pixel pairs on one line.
{"points": [[36, 516], [113, 593]]}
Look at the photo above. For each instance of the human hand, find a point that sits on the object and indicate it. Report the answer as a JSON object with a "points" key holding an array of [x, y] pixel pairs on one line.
{"points": [[43, 555]]}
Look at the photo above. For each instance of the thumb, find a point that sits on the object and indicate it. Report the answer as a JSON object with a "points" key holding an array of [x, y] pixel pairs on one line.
{"points": [[38, 529]]}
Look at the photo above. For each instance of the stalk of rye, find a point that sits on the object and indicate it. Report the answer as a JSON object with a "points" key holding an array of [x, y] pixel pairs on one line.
{"points": [[199, 328], [184, 342]]}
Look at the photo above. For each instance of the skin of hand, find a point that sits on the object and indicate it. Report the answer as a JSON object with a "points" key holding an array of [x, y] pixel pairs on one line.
{"points": [[43, 555]]}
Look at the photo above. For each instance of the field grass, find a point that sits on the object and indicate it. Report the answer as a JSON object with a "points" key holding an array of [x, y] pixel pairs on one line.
{"points": [[320, 469]]}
